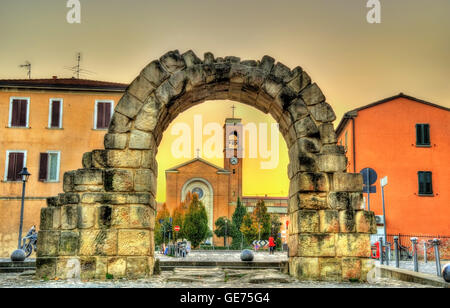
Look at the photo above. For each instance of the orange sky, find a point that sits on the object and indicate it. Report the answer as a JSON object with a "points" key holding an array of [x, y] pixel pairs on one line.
{"points": [[354, 62]]}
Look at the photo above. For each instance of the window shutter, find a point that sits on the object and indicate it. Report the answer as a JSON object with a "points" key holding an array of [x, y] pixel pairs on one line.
{"points": [[55, 117], [100, 114], [418, 134], [426, 134], [15, 165], [43, 167], [107, 117]]}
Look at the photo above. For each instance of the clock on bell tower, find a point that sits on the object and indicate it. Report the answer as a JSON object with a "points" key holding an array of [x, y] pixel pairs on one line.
{"points": [[233, 150]]}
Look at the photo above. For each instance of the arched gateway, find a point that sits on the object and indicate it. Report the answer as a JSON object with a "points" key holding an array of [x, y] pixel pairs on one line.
{"points": [[104, 220]]}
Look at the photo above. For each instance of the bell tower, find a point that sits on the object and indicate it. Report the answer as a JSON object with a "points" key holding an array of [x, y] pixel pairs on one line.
{"points": [[233, 152]]}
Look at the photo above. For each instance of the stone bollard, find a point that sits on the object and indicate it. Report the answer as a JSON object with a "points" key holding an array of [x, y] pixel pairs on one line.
{"points": [[396, 252], [414, 248], [436, 244]]}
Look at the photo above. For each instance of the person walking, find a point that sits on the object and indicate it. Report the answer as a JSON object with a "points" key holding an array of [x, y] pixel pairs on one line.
{"points": [[271, 245]]}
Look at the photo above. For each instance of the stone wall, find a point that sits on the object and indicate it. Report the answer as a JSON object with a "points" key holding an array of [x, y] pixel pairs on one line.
{"points": [[105, 218]]}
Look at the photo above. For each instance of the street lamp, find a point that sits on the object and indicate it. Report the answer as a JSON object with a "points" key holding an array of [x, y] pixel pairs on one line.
{"points": [[19, 254]]}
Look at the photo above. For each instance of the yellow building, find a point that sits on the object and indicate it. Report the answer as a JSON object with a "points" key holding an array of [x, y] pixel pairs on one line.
{"points": [[46, 125]]}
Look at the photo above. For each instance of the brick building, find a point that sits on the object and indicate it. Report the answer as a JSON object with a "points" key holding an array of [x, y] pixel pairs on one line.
{"points": [[219, 188]]}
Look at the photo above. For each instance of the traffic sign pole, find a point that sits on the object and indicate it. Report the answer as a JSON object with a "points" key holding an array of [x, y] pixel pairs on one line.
{"points": [[383, 183]]}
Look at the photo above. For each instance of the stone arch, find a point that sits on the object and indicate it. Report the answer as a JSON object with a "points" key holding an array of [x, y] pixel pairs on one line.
{"points": [[105, 218]]}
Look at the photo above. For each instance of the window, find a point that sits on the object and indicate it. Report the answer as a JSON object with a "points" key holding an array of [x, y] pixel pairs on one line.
{"points": [[425, 183], [422, 134], [18, 112], [55, 113], [49, 163], [15, 162], [103, 111]]}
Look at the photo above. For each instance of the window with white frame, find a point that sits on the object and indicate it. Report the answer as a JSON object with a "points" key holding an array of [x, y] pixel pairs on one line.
{"points": [[55, 112], [19, 111], [49, 165], [15, 162], [103, 113]]}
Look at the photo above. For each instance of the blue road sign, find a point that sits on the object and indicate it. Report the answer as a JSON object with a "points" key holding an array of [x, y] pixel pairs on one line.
{"points": [[369, 176]]}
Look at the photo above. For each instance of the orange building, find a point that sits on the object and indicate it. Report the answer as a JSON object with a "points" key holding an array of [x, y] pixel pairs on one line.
{"points": [[46, 125], [407, 140]]}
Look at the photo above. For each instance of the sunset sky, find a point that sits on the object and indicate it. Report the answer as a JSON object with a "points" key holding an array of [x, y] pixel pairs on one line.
{"points": [[354, 62]]}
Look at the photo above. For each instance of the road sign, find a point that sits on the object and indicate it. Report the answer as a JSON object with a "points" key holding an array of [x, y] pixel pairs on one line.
{"points": [[261, 243], [384, 181], [369, 176], [176, 228]]}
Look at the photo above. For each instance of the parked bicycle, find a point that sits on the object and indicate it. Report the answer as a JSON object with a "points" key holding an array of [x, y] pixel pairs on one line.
{"points": [[29, 242]]}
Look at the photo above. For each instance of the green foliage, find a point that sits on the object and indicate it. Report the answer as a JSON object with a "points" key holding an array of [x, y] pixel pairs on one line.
{"points": [[109, 276], [196, 222], [249, 228], [237, 219], [262, 219], [275, 229], [223, 229], [162, 229]]}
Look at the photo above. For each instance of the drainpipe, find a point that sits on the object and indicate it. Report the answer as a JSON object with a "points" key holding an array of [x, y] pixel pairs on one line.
{"points": [[353, 145]]}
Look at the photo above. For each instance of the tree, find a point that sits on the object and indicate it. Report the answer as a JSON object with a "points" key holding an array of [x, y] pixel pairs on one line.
{"points": [[223, 229], [275, 229], [262, 219], [237, 219], [178, 218], [196, 222], [249, 228], [162, 225]]}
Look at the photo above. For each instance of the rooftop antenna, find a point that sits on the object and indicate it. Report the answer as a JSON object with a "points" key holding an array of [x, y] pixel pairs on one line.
{"points": [[27, 65], [77, 70]]}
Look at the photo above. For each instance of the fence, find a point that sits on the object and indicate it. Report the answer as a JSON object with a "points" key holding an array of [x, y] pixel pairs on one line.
{"points": [[405, 242]]}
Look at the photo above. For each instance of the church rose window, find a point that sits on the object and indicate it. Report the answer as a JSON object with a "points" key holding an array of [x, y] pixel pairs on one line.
{"points": [[198, 191]]}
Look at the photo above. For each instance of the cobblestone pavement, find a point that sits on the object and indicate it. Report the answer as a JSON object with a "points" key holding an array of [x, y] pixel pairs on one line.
{"points": [[215, 280], [427, 268], [224, 255]]}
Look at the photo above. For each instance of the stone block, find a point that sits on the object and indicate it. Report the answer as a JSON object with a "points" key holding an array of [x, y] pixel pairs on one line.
{"points": [[352, 182], [134, 243], [128, 106], [140, 88], [306, 127], [69, 243], [351, 269], [50, 218], [306, 221], [145, 180], [322, 112], [190, 58], [86, 216], [312, 95], [332, 163], [356, 201], [316, 245], [313, 201], [46, 268], [98, 243], [329, 221], [140, 140], [172, 61], [293, 245], [115, 141], [137, 267], [365, 222], [300, 81], [69, 217], [309, 182], [339, 201], [117, 267], [118, 180], [88, 267], [147, 119], [88, 177], [367, 265], [104, 216], [142, 217], [330, 269], [48, 243], [298, 110], [101, 267], [68, 181], [118, 158], [121, 217], [347, 221], [327, 133], [353, 245], [155, 73], [305, 268]]}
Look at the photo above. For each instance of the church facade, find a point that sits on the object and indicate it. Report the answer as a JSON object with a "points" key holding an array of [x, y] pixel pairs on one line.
{"points": [[219, 187]]}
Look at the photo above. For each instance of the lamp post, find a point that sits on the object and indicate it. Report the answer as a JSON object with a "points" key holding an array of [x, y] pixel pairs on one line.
{"points": [[19, 254]]}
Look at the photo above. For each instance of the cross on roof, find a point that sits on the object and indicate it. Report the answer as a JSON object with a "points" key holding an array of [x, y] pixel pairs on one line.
{"points": [[233, 108], [198, 153]]}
